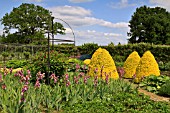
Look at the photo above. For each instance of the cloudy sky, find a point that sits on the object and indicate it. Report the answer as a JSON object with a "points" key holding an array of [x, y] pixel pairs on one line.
{"points": [[92, 21]]}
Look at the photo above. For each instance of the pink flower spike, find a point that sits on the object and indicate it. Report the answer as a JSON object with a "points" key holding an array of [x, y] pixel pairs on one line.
{"points": [[28, 72], [66, 76], [37, 84], [77, 66], [68, 83], [25, 88], [10, 70]]}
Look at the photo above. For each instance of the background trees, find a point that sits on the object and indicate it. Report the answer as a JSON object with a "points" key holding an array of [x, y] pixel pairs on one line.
{"points": [[30, 23], [151, 25]]}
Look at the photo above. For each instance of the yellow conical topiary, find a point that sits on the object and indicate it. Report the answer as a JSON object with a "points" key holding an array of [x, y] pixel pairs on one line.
{"points": [[147, 66], [102, 64], [130, 64]]}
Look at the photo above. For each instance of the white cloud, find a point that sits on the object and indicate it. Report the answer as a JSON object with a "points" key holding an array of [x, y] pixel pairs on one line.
{"points": [[92, 36], [1, 31], [80, 1], [121, 4], [70, 11], [78, 16], [161, 3]]}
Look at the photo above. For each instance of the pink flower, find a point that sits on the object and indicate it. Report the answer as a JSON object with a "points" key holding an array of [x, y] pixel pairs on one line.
{"points": [[10, 70], [53, 77], [66, 76], [85, 79], [76, 79], [24, 89], [40, 75], [3, 86], [81, 74], [77, 66], [68, 83], [37, 84], [28, 72]]}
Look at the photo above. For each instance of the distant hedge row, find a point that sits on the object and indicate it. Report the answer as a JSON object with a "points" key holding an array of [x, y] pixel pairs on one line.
{"points": [[118, 52], [161, 52]]}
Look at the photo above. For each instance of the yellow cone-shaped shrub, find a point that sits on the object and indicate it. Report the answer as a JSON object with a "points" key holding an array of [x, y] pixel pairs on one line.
{"points": [[102, 64], [147, 66], [130, 64]]}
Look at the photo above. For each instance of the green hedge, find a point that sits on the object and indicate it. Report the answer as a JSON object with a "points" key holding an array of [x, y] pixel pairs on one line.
{"points": [[160, 52], [121, 52], [118, 52]]}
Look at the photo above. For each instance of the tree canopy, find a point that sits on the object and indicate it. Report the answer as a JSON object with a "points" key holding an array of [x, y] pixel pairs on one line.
{"points": [[30, 22], [150, 25]]}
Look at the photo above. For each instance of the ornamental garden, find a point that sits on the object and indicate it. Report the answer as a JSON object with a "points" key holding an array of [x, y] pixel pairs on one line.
{"points": [[85, 79]]}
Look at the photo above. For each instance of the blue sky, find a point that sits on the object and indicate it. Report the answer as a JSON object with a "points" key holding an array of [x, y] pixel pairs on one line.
{"points": [[92, 21]]}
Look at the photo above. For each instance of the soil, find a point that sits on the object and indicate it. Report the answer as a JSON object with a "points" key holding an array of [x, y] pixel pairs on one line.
{"points": [[152, 96]]}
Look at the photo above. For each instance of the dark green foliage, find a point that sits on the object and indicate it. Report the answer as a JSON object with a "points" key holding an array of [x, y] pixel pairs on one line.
{"points": [[151, 25], [165, 89], [119, 64], [27, 55], [118, 58], [12, 55], [5, 54], [164, 66], [119, 53], [154, 83], [66, 49], [40, 63], [16, 64], [88, 48]]}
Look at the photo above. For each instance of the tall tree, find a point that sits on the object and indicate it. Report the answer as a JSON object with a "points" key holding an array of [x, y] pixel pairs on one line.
{"points": [[151, 25], [30, 21]]}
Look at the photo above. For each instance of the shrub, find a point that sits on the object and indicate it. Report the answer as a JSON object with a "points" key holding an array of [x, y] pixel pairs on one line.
{"points": [[87, 61], [40, 63], [147, 66], [16, 64], [27, 55], [12, 55], [165, 89], [102, 64], [74, 60], [130, 64], [88, 48], [164, 66], [5, 55]]}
